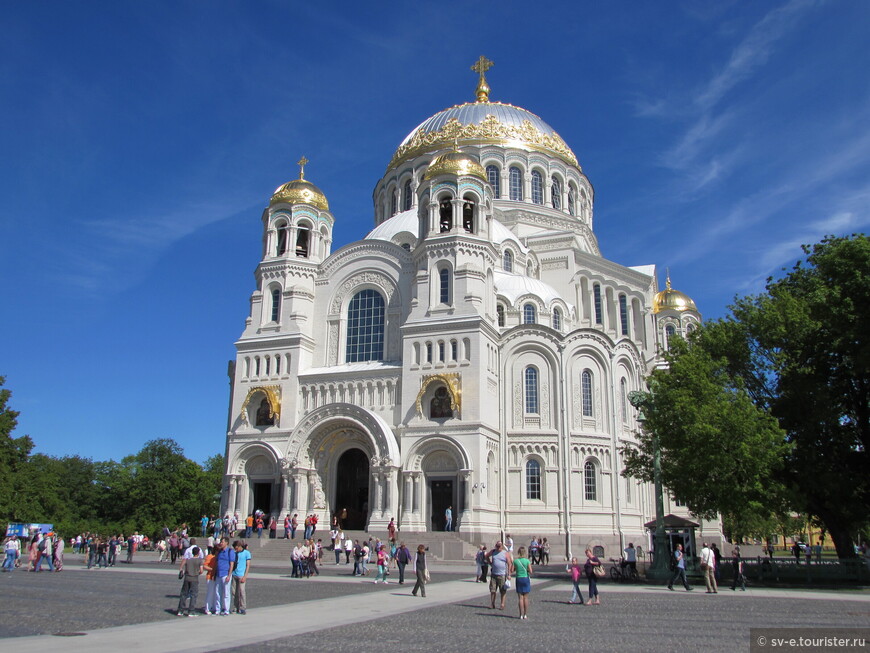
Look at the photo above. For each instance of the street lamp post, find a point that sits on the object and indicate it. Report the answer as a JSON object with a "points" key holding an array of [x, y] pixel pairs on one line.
{"points": [[660, 569]]}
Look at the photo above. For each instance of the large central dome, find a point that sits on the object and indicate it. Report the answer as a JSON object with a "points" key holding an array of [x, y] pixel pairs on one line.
{"points": [[483, 123]]}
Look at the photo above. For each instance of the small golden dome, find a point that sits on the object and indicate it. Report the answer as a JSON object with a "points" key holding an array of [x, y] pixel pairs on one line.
{"points": [[300, 191], [455, 163], [672, 300]]}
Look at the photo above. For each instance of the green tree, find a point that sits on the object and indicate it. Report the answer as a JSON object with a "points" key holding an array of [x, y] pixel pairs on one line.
{"points": [[801, 353], [14, 453]]}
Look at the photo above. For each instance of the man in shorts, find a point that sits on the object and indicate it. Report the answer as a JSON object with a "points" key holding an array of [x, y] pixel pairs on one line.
{"points": [[500, 562]]}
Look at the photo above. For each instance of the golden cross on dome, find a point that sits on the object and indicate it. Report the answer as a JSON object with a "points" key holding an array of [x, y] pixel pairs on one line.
{"points": [[480, 67], [301, 163]]}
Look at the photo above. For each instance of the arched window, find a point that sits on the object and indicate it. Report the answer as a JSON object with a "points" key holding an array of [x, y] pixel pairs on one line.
{"points": [[586, 392], [276, 304], [265, 416], [572, 203], [508, 262], [444, 286], [468, 216], [428, 352], [529, 314], [533, 479], [590, 481], [445, 215], [623, 399], [516, 184], [557, 319], [670, 332], [494, 178], [441, 351], [556, 192], [454, 350], [531, 387], [406, 205], [499, 311], [596, 292], [283, 234], [277, 365], [302, 240], [623, 315], [393, 203], [690, 328], [365, 327], [537, 187]]}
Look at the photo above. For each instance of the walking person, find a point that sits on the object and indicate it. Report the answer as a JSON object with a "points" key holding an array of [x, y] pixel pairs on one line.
{"points": [[338, 548], [12, 550], [226, 562], [717, 559], [482, 565], [574, 569], [58, 554], [679, 567], [522, 569], [422, 571], [708, 567], [273, 527], [737, 566], [211, 596], [592, 562], [500, 562], [403, 557], [46, 550], [190, 570], [382, 565], [348, 549], [240, 576], [448, 519], [545, 552]]}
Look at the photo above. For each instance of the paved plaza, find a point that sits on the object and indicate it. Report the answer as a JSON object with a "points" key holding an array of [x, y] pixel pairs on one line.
{"points": [[132, 608]]}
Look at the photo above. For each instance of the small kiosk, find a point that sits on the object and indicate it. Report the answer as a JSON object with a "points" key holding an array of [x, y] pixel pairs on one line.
{"points": [[679, 530]]}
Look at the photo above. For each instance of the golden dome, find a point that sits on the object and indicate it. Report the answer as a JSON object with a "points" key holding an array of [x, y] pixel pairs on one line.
{"points": [[672, 300], [455, 163], [300, 191]]}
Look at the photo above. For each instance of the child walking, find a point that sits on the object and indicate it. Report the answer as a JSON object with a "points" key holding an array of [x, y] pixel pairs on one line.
{"points": [[575, 570]]}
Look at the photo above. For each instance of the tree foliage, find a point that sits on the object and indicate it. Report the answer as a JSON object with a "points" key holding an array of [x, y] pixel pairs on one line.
{"points": [[155, 487], [799, 353]]}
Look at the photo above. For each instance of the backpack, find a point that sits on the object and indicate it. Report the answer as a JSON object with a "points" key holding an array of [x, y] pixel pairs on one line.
{"points": [[41, 545], [673, 563]]}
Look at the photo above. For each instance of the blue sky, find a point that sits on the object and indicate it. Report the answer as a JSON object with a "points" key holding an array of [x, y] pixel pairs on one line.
{"points": [[141, 141]]}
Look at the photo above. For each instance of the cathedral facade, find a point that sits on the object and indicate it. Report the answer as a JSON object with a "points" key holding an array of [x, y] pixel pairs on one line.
{"points": [[475, 351]]}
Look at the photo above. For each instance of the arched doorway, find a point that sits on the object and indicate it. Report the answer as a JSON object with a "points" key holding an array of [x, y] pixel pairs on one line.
{"points": [[352, 489]]}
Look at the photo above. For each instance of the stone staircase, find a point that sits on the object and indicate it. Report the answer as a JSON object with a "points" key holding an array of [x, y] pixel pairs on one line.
{"points": [[442, 546]]}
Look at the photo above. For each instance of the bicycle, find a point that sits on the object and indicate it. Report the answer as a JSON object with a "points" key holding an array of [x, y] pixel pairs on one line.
{"points": [[621, 572]]}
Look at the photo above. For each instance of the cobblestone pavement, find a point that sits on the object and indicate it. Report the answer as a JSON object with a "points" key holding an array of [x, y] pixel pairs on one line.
{"points": [[340, 613]]}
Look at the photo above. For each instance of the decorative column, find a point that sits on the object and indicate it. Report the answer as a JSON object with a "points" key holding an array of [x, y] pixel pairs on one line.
{"points": [[231, 501], [378, 508], [407, 496], [418, 477]]}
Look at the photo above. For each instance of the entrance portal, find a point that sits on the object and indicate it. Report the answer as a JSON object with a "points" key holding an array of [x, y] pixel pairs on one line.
{"points": [[442, 498], [263, 497], [352, 490]]}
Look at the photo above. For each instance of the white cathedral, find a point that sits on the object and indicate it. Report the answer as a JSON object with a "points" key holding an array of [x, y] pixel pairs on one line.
{"points": [[474, 351]]}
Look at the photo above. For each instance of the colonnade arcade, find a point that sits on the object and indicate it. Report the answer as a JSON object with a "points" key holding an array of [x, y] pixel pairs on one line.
{"points": [[344, 459]]}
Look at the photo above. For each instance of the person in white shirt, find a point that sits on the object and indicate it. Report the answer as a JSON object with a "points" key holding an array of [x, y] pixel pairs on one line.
{"points": [[338, 546], [509, 543], [188, 552], [708, 567], [631, 556]]}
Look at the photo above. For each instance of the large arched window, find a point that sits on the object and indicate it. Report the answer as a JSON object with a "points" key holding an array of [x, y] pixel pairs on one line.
{"points": [[499, 311], [444, 286], [406, 204], [537, 187], [596, 292], [556, 193], [533, 479], [508, 262], [529, 314], [586, 392], [283, 235], [365, 327], [590, 481], [516, 184], [276, 304], [393, 203], [531, 388], [623, 315], [557, 319], [494, 178], [572, 202]]}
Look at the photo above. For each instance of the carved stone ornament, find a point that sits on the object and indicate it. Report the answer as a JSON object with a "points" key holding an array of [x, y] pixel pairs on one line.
{"points": [[273, 394], [383, 282], [453, 383]]}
